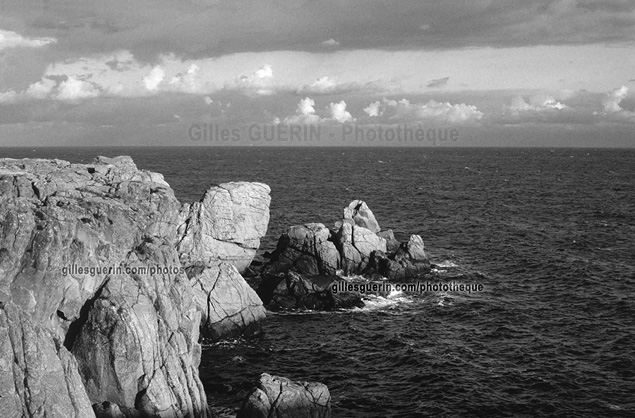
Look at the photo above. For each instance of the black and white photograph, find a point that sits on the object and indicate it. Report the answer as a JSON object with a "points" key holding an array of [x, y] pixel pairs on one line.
{"points": [[317, 208]]}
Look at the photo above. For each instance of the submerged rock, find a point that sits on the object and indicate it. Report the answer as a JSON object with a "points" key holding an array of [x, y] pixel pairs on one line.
{"points": [[279, 397], [96, 306]]}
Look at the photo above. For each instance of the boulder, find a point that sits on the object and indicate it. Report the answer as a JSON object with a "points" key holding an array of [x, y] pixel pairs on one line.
{"points": [[97, 313], [308, 249], [357, 243], [409, 261], [231, 305], [359, 213], [392, 244], [226, 225], [279, 397]]}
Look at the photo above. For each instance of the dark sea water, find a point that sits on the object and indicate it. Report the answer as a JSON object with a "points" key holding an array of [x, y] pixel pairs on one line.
{"points": [[549, 234]]}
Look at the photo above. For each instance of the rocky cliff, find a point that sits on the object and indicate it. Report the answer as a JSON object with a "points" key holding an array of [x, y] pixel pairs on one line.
{"points": [[106, 281]]}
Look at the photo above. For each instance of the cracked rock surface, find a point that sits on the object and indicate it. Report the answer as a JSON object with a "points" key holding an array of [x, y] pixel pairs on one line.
{"points": [[280, 397], [116, 339]]}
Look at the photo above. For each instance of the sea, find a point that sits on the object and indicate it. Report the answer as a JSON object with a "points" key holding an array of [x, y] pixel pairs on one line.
{"points": [[548, 233]]}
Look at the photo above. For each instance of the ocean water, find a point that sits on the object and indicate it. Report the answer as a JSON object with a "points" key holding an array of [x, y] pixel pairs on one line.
{"points": [[548, 233]]}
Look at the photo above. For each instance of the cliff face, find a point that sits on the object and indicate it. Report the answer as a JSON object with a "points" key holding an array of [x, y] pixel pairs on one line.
{"points": [[103, 287]]}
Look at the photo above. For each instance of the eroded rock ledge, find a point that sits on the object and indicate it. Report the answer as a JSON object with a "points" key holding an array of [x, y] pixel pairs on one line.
{"points": [[121, 342]]}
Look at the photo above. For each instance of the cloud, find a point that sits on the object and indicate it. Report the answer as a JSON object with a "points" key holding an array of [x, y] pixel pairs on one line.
{"points": [[373, 109], [536, 103], [264, 72], [154, 78], [185, 82], [322, 85], [338, 112], [213, 28], [74, 89], [41, 89], [613, 104], [325, 85], [613, 99], [391, 111], [64, 88], [304, 113], [260, 83], [439, 82], [8, 96], [9, 39], [582, 108], [331, 42]]}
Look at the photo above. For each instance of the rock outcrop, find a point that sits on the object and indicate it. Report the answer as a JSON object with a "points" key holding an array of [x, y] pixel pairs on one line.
{"points": [[295, 291], [356, 246], [225, 226], [279, 397], [230, 305], [100, 306]]}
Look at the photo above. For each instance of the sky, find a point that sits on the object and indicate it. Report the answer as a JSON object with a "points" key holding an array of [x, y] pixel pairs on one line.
{"points": [[209, 72]]}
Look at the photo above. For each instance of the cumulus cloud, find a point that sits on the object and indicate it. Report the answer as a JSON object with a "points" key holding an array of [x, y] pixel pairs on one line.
{"points": [[154, 78], [582, 107], [403, 111], [65, 88], [613, 104], [75, 89], [185, 81], [439, 82], [339, 113], [373, 109], [260, 83], [304, 113], [41, 89], [264, 72], [9, 39]]}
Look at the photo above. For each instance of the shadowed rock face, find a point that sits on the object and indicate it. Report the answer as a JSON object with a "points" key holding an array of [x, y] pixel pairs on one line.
{"points": [[295, 291], [123, 334]]}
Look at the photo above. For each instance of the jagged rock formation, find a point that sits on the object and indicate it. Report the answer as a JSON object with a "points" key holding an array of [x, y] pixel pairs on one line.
{"points": [[97, 312], [356, 246], [279, 397]]}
